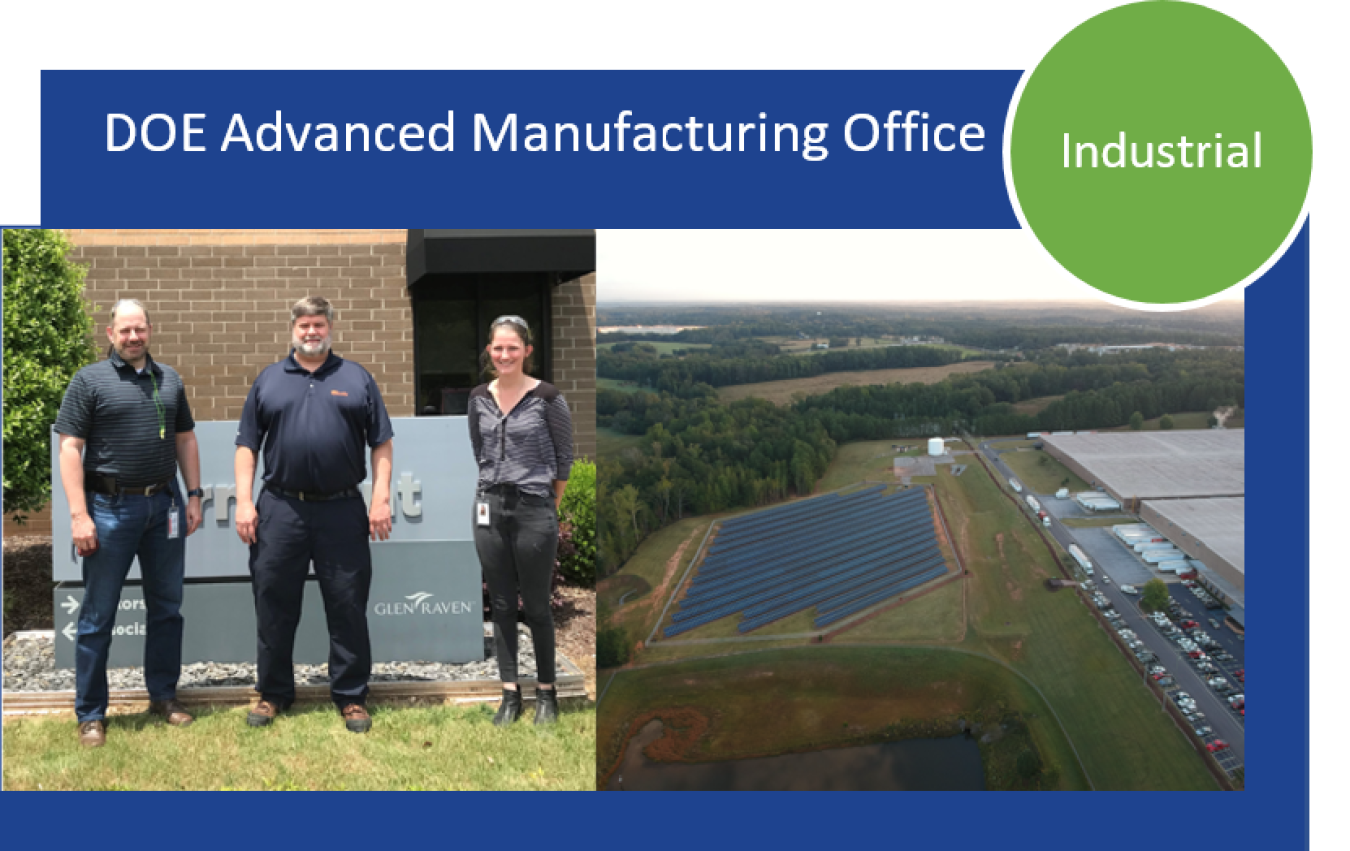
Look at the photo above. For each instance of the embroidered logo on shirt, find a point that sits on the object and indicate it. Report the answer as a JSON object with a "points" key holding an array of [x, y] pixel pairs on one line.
{"points": [[339, 392]]}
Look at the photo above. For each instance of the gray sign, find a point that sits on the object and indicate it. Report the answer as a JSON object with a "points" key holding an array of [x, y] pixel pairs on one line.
{"points": [[425, 606], [433, 488]]}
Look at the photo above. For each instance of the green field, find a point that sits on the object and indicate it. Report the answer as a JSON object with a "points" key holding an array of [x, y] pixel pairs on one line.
{"points": [[663, 347], [409, 748], [621, 386], [610, 442], [1040, 473], [1187, 420], [828, 696], [1012, 444], [937, 617], [652, 572]]}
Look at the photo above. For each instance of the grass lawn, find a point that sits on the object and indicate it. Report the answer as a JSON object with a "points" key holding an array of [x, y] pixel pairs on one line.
{"points": [[623, 386], [938, 616], [1041, 473], [1187, 420], [781, 392], [828, 696], [1031, 407], [610, 442], [663, 347], [1125, 739], [652, 571], [869, 460], [409, 748], [1012, 444]]}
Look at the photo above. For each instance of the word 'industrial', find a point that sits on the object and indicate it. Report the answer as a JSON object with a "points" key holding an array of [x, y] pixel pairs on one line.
{"points": [[1236, 153]]}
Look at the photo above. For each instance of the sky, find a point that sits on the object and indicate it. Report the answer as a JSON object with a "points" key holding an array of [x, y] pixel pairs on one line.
{"points": [[830, 265]]}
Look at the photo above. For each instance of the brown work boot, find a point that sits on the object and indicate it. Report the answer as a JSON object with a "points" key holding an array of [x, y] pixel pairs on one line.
{"points": [[171, 711], [357, 718], [92, 735], [263, 713]]}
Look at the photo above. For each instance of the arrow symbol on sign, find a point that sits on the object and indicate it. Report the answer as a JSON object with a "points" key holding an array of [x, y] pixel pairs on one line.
{"points": [[70, 605], [69, 631]]}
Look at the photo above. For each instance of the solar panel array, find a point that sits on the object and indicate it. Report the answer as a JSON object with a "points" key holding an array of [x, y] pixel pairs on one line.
{"points": [[840, 554]]}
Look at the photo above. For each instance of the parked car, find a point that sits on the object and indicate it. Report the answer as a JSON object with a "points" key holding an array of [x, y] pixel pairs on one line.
{"points": [[1216, 746]]}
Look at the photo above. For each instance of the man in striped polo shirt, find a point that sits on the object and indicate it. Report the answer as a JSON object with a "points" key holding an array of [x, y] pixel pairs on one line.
{"points": [[125, 433]]}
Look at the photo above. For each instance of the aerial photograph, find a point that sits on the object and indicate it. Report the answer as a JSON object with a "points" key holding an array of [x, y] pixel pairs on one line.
{"points": [[909, 511]]}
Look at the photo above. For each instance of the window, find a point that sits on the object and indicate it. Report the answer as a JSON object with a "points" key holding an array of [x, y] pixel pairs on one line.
{"points": [[451, 316]]}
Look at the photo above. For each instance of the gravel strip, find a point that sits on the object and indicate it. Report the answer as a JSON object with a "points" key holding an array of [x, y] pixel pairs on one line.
{"points": [[30, 665]]}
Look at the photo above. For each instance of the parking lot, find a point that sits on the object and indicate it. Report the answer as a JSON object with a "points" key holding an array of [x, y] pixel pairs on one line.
{"points": [[1166, 645]]}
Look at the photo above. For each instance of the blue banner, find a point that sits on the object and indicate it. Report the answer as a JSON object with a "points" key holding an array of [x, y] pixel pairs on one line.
{"points": [[898, 149]]}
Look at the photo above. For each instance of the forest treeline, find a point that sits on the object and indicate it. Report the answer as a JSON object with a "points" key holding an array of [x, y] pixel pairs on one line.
{"points": [[699, 455], [751, 361], [1017, 332]]}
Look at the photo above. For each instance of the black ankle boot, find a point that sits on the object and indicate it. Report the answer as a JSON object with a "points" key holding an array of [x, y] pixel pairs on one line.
{"points": [[545, 706], [509, 711]]}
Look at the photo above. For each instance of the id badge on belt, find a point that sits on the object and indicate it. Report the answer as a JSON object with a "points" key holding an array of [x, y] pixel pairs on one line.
{"points": [[481, 512], [173, 520]]}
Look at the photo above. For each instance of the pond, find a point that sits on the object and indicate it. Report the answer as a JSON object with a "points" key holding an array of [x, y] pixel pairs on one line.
{"points": [[931, 765]]}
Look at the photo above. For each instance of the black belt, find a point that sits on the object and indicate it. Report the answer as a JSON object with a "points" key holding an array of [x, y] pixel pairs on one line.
{"points": [[108, 485], [511, 490], [314, 496]]}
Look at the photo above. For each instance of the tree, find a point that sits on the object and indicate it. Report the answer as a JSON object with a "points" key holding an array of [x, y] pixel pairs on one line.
{"points": [[1028, 764], [1166, 423], [1155, 595], [48, 337], [611, 648], [1213, 421], [1136, 421]]}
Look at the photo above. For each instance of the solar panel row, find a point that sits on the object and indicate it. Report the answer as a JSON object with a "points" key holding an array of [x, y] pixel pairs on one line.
{"points": [[829, 523], [743, 538], [812, 585], [895, 539], [840, 555], [875, 582], [792, 552], [873, 599]]}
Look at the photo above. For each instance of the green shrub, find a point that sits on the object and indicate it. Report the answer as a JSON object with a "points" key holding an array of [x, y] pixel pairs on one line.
{"points": [[578, 511], [47, 339], [611, 648]]}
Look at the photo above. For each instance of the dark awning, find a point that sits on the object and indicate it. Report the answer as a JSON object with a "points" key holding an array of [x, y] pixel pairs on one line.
{"points": [[568, 254]]}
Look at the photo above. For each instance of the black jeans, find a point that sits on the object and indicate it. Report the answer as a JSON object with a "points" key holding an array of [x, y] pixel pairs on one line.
{"points": [[334, 535], [518, 550]]}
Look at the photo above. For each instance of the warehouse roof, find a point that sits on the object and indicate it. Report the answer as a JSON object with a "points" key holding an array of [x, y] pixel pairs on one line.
{"points": [[1160, 464], [1216, 523]]}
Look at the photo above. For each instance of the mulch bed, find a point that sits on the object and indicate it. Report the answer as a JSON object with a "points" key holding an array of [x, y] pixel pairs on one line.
{"points": [[28, 583], [28, 602]]}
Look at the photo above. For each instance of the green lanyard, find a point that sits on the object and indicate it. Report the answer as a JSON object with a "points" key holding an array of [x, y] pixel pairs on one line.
{"points": [[159, 406]]}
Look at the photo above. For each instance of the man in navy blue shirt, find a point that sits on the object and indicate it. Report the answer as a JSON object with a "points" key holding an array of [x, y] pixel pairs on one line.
{"points": [[312, 415]]}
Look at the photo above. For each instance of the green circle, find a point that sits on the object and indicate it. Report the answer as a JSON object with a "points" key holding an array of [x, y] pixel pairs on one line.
{"points": [[1159, 72]]}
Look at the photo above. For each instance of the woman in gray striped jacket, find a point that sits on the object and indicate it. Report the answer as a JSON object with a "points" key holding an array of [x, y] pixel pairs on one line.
{"points": [[522, 437]]}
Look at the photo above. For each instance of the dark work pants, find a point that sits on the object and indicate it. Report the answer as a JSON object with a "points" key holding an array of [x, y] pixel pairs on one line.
{"points": [[131, 527], [518, 550], [334, 535]]}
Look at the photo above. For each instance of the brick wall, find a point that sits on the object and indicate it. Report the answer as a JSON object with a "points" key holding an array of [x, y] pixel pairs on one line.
{"points": [[574, 356], [220, 302]]}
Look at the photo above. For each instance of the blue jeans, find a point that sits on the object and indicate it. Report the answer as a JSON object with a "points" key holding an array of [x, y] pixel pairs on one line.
{"points": [[131, 527]]}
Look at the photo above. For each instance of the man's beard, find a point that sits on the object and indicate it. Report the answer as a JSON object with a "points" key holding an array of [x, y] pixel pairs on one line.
{"points": [[124, 353], [311, 350]]}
